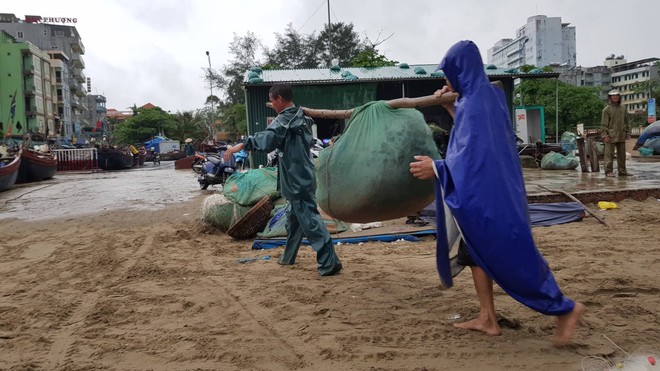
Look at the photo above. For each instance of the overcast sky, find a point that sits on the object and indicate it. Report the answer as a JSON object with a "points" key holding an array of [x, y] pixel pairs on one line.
{"points": [[140, 51]]}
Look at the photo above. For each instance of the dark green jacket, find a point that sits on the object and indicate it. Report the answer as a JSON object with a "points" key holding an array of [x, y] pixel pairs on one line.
{"points": [[291, 133], [614, 123]]}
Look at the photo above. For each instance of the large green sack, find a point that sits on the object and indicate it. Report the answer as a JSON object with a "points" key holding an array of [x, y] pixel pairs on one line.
{"points": [[222, 213], [557, 161], [250, 187], [365, 175]]}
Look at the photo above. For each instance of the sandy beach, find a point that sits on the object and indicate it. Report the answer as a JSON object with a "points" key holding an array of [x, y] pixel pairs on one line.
{"points": [[137, 290]]}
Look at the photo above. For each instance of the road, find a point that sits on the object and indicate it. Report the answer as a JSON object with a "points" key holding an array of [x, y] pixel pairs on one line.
{"points": [[150, 187]]}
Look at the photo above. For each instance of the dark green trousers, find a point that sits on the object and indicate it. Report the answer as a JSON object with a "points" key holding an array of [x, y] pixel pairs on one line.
{"points": [[303, 218], [620, 148]]}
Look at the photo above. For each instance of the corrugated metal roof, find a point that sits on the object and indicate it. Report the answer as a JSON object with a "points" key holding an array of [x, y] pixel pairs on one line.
{"points": [[360, 74]]}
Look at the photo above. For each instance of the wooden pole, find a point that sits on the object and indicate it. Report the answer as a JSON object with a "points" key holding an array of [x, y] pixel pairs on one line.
{"points": [[570, 196], [582, 155], [426, 101]]}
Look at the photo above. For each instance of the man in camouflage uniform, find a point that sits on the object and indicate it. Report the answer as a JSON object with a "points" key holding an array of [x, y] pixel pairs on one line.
{"points": [[614, 131]]}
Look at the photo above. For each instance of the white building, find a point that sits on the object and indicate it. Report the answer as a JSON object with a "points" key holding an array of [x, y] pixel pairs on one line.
{"points": [[627, 77], [542, 41]]}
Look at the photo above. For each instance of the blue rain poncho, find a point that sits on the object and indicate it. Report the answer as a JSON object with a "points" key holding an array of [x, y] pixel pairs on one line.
{"points": [[482, 184]]}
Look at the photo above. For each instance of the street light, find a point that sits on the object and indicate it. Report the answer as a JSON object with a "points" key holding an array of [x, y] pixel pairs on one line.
{"points": [[208, 55]]}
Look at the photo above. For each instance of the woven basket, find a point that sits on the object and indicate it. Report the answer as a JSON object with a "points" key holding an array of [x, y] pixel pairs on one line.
{"points": [[254, 221]]}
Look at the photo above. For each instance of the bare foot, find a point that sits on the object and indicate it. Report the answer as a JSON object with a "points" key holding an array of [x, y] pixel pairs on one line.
{"points": [[566, 325], [487, 326]]}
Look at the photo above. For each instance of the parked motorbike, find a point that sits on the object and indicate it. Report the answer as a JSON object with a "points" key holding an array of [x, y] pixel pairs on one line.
{"points": [[241, 159], [215, 171], [273, 157]]}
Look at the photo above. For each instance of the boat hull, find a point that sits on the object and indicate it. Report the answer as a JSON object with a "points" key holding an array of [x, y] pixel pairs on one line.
{"points": [[9, 173], [35, 166]]}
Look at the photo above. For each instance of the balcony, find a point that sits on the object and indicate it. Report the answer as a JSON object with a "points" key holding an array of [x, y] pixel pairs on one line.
{"points": [[100, 109], [79, 91], [77, 46], [31, 111], [28, 70], [79, 75], [77, 61]]}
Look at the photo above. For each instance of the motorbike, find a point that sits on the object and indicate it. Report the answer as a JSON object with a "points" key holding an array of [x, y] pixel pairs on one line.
{"points": [[241, 159], [272, 158], [215, 171], [155, 156]]}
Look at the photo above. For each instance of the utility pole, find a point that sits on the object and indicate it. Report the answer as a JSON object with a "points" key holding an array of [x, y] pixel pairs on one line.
{"points": [[329, 35], [208, 55]]}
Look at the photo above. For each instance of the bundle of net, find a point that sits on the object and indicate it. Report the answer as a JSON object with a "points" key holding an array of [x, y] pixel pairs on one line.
{"points": [[365, 175], [222, 213]]}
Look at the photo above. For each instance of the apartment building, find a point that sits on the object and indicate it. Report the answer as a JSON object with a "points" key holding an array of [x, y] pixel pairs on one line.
{"points": [[629, 78], [64, 44], [540, 42], [27, 89]]}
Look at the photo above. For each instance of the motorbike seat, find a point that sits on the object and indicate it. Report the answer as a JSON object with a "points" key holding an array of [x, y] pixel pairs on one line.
{"points": [[215, 160]]}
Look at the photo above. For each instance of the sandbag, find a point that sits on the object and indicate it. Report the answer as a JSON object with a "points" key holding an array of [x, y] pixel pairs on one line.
{"points": [[247, 188], [220, 212], [365, 175], [557, 161]]}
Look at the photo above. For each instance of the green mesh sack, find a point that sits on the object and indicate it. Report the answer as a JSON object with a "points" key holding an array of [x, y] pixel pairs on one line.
{"points": [[251, 186], [557, 161], [365, 175], [218, 211]]}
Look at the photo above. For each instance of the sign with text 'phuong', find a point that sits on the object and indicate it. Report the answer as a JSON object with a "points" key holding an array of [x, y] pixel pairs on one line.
{"points": [[40, 19], [651, 110]]}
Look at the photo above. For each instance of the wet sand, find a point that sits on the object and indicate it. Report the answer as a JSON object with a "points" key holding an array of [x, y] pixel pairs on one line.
{"points": [[136, 289]]}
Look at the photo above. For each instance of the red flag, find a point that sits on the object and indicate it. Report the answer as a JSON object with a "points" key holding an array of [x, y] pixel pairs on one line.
{"points": [[98, 126]]}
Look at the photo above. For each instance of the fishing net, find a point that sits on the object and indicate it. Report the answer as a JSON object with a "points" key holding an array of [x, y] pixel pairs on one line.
{"points": [[249, 187], [220, 212], [557, 161], [365, 175]]}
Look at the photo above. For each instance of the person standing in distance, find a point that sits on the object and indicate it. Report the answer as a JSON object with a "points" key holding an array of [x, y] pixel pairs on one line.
{"points": [[291, 134], [614, 131]]}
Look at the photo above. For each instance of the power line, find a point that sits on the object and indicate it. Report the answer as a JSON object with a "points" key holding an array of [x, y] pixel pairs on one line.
{"points": [[310, 17]]}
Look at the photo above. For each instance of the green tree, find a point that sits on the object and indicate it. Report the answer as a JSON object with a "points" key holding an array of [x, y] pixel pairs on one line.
{"points": [[292, 50], [337, 40], [577, 104], [187, 124], [141, 127], [370, 57], [234, 120]]}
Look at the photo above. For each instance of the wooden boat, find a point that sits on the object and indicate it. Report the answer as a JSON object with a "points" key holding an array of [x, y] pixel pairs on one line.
{"points": [[172, 156], [9, 171], [115, 159], [36, 166]]}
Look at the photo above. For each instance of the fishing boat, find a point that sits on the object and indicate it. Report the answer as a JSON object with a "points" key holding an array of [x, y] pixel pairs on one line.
{"points": [[115, 158], [36, 165], [9, 171]]}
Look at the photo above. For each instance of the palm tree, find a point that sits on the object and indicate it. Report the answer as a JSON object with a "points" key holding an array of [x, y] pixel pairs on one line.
{"points": [[187, 124]]}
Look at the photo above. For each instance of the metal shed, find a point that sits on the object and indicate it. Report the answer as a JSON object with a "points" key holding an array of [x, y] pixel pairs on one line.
{"points": [[350, 87]]}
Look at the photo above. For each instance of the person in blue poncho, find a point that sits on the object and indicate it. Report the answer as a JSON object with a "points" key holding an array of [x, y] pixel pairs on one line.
{"points": [[291, 134], [482, 184]]}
